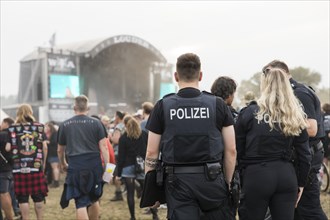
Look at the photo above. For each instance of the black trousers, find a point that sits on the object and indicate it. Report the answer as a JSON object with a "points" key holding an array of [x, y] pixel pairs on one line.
{"points": [[272, 184], [193, 197], [309, 206]]}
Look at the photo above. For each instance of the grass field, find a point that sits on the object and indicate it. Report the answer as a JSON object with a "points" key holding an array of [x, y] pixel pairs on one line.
{"points": [[113, 210]]}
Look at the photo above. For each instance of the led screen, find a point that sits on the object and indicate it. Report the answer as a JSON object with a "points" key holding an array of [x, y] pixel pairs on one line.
{"points": [[64, 86], [166, 88]]}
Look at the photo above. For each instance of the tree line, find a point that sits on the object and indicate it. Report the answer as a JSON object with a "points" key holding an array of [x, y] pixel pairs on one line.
{"points": [[300, 74]]}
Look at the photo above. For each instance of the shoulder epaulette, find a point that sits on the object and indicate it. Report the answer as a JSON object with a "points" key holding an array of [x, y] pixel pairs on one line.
{"points": [[243, 109], [206, 92], [170, 94]]}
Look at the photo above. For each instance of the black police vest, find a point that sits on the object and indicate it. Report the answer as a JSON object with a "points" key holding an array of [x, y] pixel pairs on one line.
{"points": [[298, 87], [262, 143], [26, 147], [191, 135]]}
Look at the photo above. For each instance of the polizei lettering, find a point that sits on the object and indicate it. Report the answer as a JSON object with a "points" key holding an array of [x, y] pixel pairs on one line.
{"points": [[189, 113]]}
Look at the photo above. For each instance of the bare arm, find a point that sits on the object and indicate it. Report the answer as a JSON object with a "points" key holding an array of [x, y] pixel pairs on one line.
{"points": [[8, 146], [152, 151], [61, 157], [229, 152], [115, 136], [104, 150], [311, 127], [45, 154]]}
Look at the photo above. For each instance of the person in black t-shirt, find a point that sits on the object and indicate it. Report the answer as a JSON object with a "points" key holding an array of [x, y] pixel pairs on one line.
{"points": [[192, 130], [225, 87]]}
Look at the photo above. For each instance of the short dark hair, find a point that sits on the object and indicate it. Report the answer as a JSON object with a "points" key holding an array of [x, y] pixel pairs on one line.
{"points": [[188, 66], [120, 115], [9, 121], [326, 108], [223, 87], [81, 103], [276, 64]]}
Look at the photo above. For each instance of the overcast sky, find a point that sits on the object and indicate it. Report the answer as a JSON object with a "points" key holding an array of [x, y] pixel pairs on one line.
{"points": [[233, 38]]}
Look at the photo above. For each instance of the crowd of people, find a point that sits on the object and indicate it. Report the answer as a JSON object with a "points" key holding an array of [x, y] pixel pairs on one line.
{"points": [[275, 143]]}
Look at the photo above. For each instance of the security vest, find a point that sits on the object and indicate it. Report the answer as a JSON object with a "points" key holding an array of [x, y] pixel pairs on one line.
{"points": [[262, 143], [190, 135], [26, 147]]}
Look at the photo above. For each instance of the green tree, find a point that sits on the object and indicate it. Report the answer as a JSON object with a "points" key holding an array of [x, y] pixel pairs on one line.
{"points": [[252, 84], [324, 95], [300, 74], [306, 76]]}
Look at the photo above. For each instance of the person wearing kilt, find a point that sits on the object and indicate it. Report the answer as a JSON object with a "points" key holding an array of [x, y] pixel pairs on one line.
{"points": [[28, 148]]}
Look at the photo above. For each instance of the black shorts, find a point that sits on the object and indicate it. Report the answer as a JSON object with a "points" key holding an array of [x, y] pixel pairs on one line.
{"points": [[35, 198]]}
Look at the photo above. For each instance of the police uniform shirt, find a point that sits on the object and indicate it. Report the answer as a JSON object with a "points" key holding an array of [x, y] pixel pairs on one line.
{"points": [[156, 119], [257, 143], [311, 105]]}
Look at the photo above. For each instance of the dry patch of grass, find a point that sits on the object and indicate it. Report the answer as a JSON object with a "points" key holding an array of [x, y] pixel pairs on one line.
{"points": [[114, 210]]}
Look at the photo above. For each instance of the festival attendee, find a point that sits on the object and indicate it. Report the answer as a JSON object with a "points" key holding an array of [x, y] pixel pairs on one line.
{"points": [[132, 143], [138, 115], [83, 138], [147, 108], [6, 176], [309, 206], [112, 158], [225, 87], [265, 134], [51, 134], [28, 147], [193, 131], [119, 129], [106, 122]]}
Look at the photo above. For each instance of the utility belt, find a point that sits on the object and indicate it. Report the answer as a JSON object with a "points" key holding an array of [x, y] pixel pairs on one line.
{"points": [[316, 145], [212, 170], [317, 155]]}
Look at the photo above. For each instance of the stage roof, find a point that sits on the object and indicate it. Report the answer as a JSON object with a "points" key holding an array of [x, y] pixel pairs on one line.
{"points": [[91, 48]]}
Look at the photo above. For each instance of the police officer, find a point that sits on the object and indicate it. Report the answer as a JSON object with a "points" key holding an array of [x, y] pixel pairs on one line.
{"points": [[265, 134], [192, 131], [225, 87], [309, 206]]}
